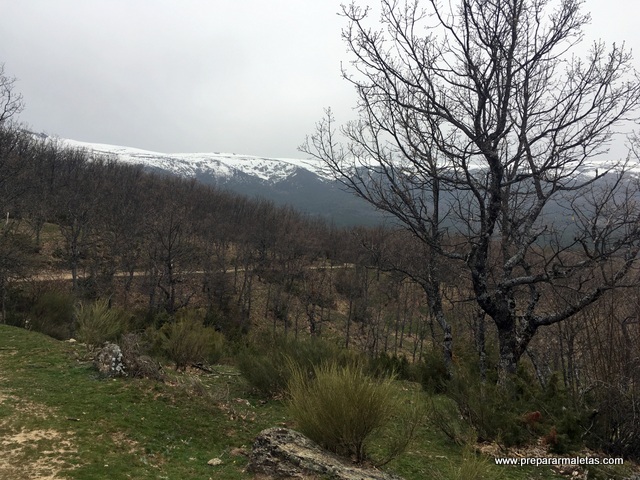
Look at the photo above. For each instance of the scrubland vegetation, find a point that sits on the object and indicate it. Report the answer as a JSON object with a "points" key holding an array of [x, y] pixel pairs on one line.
{"points": [[187, 278], [480, 322]]}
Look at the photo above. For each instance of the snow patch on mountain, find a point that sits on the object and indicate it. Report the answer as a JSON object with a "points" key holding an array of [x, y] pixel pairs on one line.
{"points": [[219, 165], [231, 166]]}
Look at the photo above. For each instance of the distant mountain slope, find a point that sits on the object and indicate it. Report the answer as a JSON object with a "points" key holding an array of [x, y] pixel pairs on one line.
{"points": [[302, 184], [305, 185], [218, 165]]}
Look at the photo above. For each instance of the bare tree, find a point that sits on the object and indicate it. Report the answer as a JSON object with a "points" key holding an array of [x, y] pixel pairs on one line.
{"points": [[14, 143], [171, 248], [76, 204], [15, 147], [476, 126], [10, 101]]}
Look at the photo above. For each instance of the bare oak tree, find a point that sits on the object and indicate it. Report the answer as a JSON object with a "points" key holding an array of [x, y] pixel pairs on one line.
{"points": [[10, 101], [15, 146], [477, 125]]}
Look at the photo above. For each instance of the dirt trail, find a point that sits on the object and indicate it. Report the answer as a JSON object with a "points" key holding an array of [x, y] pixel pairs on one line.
{"points": [[57, 275]]}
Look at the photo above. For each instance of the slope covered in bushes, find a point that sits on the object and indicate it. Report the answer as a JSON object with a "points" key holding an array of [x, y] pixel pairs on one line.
{"points": [[59, 418]]}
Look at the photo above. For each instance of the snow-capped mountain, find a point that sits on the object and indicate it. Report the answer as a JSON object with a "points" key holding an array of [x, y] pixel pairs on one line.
{"points": [[224, 167], [302, 184], [220, 165]]}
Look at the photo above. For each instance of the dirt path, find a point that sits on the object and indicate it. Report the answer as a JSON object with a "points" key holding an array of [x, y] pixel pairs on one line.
{"points": [[52, 276]]}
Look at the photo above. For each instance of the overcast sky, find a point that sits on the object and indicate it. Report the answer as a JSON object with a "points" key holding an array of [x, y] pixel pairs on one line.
{"points": [[243, 76]]}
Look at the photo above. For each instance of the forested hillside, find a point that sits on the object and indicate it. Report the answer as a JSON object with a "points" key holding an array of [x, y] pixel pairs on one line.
{"points": [[483, 319], [79, 228], [159, 244]]}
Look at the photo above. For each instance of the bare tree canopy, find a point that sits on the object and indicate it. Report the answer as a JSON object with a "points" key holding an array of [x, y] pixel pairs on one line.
{"points": [[477, 129], [10, 102]]}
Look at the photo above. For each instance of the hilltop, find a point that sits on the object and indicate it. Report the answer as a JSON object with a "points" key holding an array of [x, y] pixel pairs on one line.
{"points": [[304, 184]]}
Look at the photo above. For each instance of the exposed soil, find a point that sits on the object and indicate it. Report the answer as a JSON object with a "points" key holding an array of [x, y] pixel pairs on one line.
{"points": [[31, 454], [23, 454]]}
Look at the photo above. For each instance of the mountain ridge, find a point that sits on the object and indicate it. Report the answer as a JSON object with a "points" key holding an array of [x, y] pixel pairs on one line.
{"points": [[305, 185], [224, 164]]}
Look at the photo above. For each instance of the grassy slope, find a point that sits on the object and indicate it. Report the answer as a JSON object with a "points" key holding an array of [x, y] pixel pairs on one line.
{"points": [[115, 429], [59, 420]]}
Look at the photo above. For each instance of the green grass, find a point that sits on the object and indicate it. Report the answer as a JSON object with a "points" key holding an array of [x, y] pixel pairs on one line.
{"points": [[125, 428], [57, 417]]}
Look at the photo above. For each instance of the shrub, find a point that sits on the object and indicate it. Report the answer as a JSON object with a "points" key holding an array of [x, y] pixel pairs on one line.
{"points": [[471, 466], [228, 319], [614, 420], [490, 410], [52, 314], [518, 413], [187, 340], [138, 363], [18, 305], [444, 416], [97, 322], [265, 372], [433, 373], [390, 365], [342, 408], [265, 364]]}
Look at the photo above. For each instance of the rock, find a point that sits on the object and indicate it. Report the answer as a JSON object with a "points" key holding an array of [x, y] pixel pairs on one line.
{"points": [[285, 453], [214, 462], [109, 361]]}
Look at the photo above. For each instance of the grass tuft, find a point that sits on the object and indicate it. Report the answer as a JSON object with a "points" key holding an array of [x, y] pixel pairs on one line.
{"points": [[340, 407], [97, 322]]}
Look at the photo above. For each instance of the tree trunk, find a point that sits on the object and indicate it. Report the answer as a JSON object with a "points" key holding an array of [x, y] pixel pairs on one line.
{"points": [[447, 341], [481, 343], [4, 303], [348, 325], [508, 363], [513, 339]]}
